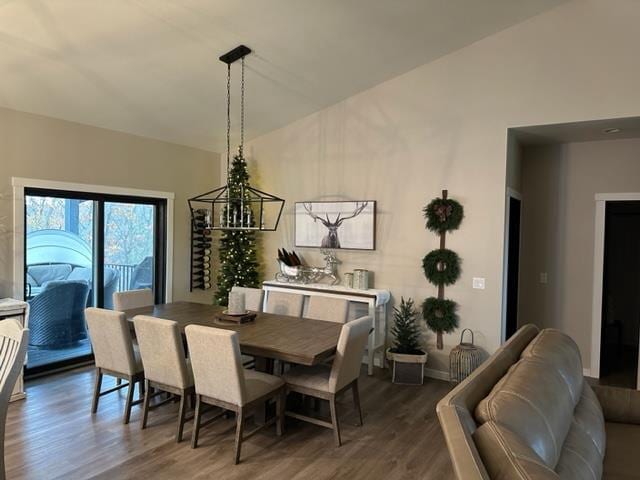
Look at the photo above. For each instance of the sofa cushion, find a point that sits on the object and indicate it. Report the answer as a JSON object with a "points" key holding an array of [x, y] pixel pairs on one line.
{"points": [[580, 457], [562, 352], [589, 417], [621, 461], [81, 273], [507, 456], [49, 273], [534, 402]]}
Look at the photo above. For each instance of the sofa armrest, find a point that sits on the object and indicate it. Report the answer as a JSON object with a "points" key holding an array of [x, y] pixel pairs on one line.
{"points": [[619, 405]]}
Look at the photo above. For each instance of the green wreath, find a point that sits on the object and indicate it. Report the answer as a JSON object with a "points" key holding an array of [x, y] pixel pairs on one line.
{"points": [[443, 215], [440, 315], [441, 267]]}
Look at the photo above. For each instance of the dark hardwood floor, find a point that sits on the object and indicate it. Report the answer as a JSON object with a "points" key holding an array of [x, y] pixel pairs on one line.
{"points": [[53, 435]]}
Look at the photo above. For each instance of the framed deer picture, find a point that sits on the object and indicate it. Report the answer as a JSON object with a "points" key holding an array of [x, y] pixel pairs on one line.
{"points": [[345, 225]]}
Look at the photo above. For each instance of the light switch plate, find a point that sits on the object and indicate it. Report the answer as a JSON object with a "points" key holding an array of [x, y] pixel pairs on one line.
{"points": [[544, 277], [478, 283]]}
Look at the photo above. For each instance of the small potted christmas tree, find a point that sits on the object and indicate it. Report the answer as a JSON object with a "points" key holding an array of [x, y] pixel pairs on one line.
{"points": [[406, 354]]}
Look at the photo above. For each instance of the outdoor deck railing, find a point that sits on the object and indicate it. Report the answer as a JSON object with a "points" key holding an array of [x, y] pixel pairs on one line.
{"points": [[124, 277]]}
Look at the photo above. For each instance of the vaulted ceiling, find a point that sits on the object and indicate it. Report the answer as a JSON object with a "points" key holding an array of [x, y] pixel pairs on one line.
{"points": [[149, 67]]}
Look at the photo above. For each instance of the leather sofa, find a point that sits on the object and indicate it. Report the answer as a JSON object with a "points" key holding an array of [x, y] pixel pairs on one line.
{"points": [[528, 413]]}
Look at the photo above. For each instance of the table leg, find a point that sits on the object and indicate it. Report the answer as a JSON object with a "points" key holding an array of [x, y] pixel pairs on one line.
{"points": [[372, 337], [263, 413]]}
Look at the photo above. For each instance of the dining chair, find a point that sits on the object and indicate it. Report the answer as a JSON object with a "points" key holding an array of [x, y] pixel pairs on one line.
{"points": [[132, 299], [253, 297], [283, 303], [221, 381], [114, 355], [13, 349], [165, 366], [327, 308], [327, 382]]}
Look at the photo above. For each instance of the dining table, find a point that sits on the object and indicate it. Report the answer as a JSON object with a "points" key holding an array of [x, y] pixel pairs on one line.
{"points": [[269, 337]]}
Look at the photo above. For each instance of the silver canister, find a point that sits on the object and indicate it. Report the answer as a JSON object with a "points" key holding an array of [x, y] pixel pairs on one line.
{"points": [[348, 280], [361, 279]]}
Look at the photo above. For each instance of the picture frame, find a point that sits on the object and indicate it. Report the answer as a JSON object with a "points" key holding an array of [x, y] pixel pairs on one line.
{"points": [[340, 224]]}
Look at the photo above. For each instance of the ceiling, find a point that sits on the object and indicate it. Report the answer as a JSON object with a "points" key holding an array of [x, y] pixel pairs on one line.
{"points": [[587, 131], [149, 67]]}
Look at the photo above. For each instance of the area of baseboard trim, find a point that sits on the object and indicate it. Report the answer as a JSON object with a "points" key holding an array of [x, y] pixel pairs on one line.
{"points": [[437, 374]]}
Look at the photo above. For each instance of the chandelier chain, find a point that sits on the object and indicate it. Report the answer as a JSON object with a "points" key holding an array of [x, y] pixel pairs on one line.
{"points": [[228, 116], [242, 109]]}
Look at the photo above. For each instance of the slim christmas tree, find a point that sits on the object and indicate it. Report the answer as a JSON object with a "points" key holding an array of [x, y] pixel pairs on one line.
{"points": [[237, 249]]}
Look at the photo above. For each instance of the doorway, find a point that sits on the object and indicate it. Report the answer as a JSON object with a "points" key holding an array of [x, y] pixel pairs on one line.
{"points": [[620, 329], [512, 267], [81, 248]]}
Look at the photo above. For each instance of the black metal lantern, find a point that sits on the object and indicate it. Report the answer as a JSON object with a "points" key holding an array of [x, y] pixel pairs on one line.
{"points": [[230, 207]]}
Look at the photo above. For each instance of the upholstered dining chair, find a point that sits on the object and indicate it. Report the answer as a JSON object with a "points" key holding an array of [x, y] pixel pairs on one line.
{"points": [[283, 303], [327, 382], [327, 308], [165, 366], [13, 349], [114, 355], [253, 297], [221, 381], [132, 299]]}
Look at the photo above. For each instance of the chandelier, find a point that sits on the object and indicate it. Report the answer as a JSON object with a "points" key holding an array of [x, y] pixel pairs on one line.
{"points": [[236, 205]]}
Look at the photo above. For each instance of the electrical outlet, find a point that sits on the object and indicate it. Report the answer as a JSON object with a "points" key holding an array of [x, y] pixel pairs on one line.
{"points": [[478, 283], [543, 277]]}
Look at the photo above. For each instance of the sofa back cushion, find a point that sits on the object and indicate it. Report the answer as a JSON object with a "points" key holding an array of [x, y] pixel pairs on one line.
{"points": [[563, 354], [49, 273], [534, 402], [507, 456]]}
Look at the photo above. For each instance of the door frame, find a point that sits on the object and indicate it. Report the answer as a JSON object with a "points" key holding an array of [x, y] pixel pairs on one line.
{"points": [[601, 200], [509, 194], [19, 186]]}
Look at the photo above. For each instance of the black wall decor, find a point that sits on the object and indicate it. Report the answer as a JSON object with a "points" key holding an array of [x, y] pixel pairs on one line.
{"points": [[200, 251]]}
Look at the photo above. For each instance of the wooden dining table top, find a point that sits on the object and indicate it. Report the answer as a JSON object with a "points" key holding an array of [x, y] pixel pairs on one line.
{"points": [[281, 337]]}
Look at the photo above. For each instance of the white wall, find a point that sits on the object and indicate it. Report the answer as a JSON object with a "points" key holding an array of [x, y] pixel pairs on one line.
{"points": [[444, 125]]}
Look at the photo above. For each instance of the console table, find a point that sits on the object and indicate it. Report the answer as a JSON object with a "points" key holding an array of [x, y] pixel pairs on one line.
{"points": [[10, 308], [376, 300]]}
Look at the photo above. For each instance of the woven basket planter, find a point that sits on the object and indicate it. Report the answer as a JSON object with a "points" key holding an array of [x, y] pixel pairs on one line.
{"points": [[407, 369]]}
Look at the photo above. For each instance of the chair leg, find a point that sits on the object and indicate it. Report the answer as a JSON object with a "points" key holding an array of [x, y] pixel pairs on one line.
{"points": [[118, 381], [127, 406], [239, 431], [181, 415], [334, 420], [96, 390], [356, 399], [280, 408], [196, 423], [145, 403]]}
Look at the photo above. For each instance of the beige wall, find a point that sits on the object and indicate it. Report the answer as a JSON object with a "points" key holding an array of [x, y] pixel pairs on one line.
{"points": [[444, 125], [44, 148], [558, 228]]}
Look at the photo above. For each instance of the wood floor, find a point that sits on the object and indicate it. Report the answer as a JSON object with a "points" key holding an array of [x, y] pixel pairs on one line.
{"points": [[53, 435]]}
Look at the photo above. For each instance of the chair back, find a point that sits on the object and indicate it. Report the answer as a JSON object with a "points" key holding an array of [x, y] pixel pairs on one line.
{"points": [[351, 345], [162, 351], [283, 303], [217, 363], [327, 308], [111, 340], [13, 349], [132, 299], [253, 297]]}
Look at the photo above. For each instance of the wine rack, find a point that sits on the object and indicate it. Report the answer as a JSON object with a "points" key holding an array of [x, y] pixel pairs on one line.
{"points": [[200, 251]]}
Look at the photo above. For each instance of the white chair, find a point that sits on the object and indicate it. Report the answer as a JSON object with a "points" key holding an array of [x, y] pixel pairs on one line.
{"points": [[327, 308], [221, 381], [13, 349], [283, 303], [114, 354], [326, 382], [132, 299], [165, 365], [253, 297]]}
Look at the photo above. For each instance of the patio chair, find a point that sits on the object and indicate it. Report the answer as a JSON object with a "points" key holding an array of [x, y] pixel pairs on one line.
{"points": [[57, 315]]}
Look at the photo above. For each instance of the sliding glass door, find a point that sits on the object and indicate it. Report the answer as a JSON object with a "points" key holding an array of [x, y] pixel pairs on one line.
{"points": [[74, 242]]}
